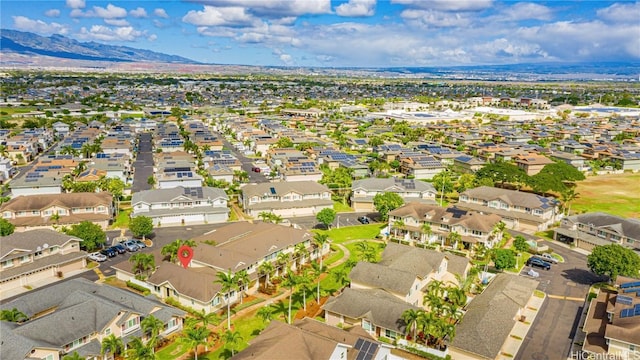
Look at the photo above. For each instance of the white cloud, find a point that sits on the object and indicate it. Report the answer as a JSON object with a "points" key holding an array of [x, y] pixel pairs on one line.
{"points": [[219, 16], [110, 12], [275, 8], [286, 59], [152, 37], [356, 8], [160, 12], [434, 18], [76, 4], [447, 5], [116, 22], [621, 12], [524, 11], [54, 13], [38, 26], [138, 12], [105, 33]]}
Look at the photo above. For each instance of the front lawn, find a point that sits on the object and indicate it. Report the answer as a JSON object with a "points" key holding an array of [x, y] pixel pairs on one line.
{"points": [[122, 220], [347, 233], [339, 207], [614, 194]]}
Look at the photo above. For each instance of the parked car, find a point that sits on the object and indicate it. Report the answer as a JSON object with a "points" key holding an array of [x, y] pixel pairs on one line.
{"points": [[109, 252], [119, 248], [537, 262], [96, 256], [130, 246], [140, 243], [364, 220], [256, 169], [548, 258]]}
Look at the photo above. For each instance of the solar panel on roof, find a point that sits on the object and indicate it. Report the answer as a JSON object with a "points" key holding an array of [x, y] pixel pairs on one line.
{"points": [[630, 284], [273, 191], [625, 300]]}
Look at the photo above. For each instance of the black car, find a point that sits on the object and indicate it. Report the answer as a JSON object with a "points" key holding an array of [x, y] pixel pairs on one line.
{"points": [[363, 219], [537, 262], [109, 252], [119, 248]]}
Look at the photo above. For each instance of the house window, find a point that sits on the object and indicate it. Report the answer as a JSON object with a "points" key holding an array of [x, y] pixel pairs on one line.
{"points": [[390, 334], [35, 212], [107, 332], [100, 208], [7, 263], [537, 212], [172, 323], [24, 259], [366, 324], [49, 357], [7, 215]]}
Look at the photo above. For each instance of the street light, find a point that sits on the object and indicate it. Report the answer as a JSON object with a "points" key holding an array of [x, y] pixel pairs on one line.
{"points": [[338, 222]]}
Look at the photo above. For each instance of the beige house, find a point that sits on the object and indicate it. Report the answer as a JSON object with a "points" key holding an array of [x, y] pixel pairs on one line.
{"points": [[410, 190], [76, 316], [38, 256], [286, 199], [45, 211], [519, 210], [587, 231], [532, 163]]}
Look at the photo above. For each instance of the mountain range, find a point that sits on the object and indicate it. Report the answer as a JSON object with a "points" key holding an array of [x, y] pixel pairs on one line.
{"points": [[26, 43]]}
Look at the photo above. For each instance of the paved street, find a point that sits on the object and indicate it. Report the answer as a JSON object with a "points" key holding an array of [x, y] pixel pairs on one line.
{"points": [[143, 166], [566, 285], [247, 163]]}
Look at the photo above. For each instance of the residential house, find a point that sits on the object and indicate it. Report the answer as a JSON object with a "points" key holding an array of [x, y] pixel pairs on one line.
{"points": [[45, 211], [420, 166], [76, 316], [234, 247], [410, 190], [36, 257], [6, 170], [612, 324], [589, 230], [428, 224], [377, 311], [468, 164], [576, 161], [312, 339], [626, 160], [485, 331], [405, 271], [286, 199], [180, 205], [532, 164], [519, 210], [61, 129]]}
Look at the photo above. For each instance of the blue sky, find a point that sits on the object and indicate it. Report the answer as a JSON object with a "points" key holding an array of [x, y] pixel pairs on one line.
{"points": [[360, 33]]}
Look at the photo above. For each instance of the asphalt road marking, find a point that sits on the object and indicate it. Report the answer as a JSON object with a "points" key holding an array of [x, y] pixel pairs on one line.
{"points": [[565, 298]]}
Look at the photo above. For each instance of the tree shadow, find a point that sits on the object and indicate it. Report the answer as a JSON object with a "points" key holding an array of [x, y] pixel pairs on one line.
{"points": [[582, 276]]}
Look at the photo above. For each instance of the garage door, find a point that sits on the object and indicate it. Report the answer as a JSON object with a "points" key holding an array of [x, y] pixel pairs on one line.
{"points": [[170, 220], [194, 219]]}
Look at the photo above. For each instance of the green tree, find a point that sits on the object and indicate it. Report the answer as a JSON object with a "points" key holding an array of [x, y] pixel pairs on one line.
{"points": [[284, 142], [386, 202], [242, 277], [502, 172], [520, 243], [410, 318], [229, 284], [141, 226], [504, 258], [137, 350], [266, 313], [6, 228], [194, 337], [232, 339], [143, 264], [290, 280], [151, 327], [266, 269], [613, 260], [13, 315], [73, 356], [112, 345], [170, 251], [442, 183], [92, 235], [151, 180], [326, 216], [465, 182]]}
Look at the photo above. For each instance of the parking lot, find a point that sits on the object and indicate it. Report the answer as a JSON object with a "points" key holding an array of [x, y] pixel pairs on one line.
{"points": [[566, 285]]}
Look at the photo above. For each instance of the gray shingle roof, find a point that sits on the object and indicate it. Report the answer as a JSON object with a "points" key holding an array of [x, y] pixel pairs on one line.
{"points": [[167, 195], [282, 188], [493, 312], [378, 306], [393, 185], [420, 262], [625, 227], [382, 277]]}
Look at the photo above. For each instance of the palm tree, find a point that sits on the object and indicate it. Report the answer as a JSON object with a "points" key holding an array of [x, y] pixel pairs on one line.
{"points": [[68, 150], [340, 276], [13, 315], [194, 337], [74, 356], [205, 318], [290, 281], [282, 260], [79, 169], [299, 253], [266, 269], [137, 350], [317, 272], [266, 313], [242, 277], [264, 216], [567, 197], [454, 237], [304, 282], [232, 339], [398, 224], [411, 317], [111, 345], [151, 327], [426, 231], [229, 284], [142, 263], [320, 240]]}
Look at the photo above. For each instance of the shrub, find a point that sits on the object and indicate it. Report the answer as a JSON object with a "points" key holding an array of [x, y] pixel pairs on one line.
{"points": [[175, 303], [139, 288]]}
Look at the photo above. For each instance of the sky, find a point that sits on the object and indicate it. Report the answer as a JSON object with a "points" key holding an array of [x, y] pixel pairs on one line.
{"points": [[346, 33]]}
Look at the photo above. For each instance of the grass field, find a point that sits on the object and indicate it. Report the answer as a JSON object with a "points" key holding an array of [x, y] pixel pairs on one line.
{"points": [[614, 194], [347, 233]]}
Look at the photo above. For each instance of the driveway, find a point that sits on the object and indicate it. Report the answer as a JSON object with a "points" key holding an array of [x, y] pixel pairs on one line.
{"points": [[143, 166], [566, 285], [247, 163]]}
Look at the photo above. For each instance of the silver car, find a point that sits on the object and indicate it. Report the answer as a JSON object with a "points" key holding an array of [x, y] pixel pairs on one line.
{"points": [[548, 258], [96, 256]]}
